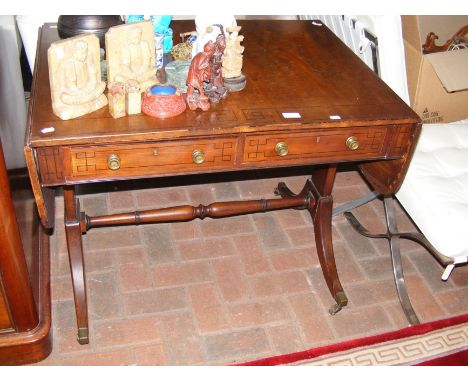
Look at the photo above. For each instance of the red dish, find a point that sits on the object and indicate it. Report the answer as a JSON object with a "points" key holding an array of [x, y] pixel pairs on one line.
{"points": [[163, 101]]}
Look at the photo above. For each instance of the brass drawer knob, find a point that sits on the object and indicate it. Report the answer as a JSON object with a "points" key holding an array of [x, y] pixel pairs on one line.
{"points": [[281, 149], [198, 156], [113, 162], [352, 143]]}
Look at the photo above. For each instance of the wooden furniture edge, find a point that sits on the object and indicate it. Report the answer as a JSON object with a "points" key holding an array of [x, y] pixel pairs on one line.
{"points": [[36, 344], [15, 278], [382, 175], [163, 135], [44, 197]]}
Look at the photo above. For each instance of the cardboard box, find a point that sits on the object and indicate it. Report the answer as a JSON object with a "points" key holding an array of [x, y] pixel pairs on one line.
{"points": [[437, 82]]}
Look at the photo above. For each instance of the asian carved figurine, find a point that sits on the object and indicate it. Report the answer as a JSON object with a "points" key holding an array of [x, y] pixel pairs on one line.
{"points": [[75, 76], [130, 54], [133, 98], [232, 60], [116, 97], [199, 72], [234, 80], [176, 74], [216, 89]]}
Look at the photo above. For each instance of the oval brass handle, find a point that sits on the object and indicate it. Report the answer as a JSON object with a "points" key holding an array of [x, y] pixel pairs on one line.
{"points": [[282, 149], [198, 156], [113, 162], [352, 143]]}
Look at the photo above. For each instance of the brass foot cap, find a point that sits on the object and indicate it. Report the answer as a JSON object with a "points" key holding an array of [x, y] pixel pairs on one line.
{"points": [[83, 336], [341, 301]]}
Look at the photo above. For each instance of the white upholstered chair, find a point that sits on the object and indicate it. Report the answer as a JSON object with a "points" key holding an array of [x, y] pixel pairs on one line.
{"points": [[435, 191], [435, 195]]}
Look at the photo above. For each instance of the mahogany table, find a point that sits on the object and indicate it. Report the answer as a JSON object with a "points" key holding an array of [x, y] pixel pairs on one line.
{"points": [[308, 101]]}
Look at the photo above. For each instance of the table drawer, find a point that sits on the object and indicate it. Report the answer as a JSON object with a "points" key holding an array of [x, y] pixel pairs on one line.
{"points": [[345, 144], [172, 157]]}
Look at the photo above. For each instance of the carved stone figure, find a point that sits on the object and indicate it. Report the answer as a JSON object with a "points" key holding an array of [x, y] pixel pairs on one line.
{"points": [[133, 99], [131, 55], [234, 80], [232, 59], [75, 76], [176, 74], [216, 89], [116, 96], [198, 73]]}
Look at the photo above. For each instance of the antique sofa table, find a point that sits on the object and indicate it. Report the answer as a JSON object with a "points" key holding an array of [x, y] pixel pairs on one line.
{"points": [[308, 101]]}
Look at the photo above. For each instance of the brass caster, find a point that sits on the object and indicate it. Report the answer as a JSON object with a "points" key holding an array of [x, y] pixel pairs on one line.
{"points": [[83, 336], [335, 309], [341, 301]]}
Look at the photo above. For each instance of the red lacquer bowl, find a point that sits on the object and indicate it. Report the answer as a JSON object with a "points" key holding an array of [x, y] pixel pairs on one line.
{"points": [[162, 101]]}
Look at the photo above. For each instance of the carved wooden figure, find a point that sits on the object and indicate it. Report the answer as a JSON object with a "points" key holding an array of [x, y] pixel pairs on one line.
{"points": [[75, 76], [130, 54], [198, 73], [216, 89]]}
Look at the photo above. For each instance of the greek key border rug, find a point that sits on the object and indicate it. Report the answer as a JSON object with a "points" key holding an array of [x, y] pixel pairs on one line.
{"points": [[443, 342]]}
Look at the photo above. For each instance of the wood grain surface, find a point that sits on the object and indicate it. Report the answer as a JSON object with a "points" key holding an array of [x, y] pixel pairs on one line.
{"points": [[291, 66]]}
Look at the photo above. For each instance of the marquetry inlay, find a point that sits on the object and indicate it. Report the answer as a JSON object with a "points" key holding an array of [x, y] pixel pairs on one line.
{"points": [[151, 158], [50, 161]]}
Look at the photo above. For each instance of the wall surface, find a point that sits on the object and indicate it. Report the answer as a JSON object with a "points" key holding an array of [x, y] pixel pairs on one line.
{"points": [[12, 102], [28, 26], [391, 51]]}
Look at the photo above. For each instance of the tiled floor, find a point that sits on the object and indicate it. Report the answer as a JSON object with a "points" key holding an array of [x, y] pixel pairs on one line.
{"points": [[235, 289]]}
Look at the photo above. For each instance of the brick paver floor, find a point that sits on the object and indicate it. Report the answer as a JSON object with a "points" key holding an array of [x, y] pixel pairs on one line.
{"points": [[235, 289]]}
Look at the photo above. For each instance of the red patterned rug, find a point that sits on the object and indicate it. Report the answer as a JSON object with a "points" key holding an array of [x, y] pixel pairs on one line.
{"points": [[443, 342]]}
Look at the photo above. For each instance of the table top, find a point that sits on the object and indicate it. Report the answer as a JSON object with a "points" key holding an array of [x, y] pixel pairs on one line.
{"points": [[291, 67]]}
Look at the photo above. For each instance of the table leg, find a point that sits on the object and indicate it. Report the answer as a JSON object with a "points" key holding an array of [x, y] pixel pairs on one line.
{"points": [[320, 189], [75, 255], [323, 179]]}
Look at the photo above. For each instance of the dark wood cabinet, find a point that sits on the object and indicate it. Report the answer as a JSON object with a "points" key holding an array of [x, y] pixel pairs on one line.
{"points": [[25, 319]]}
